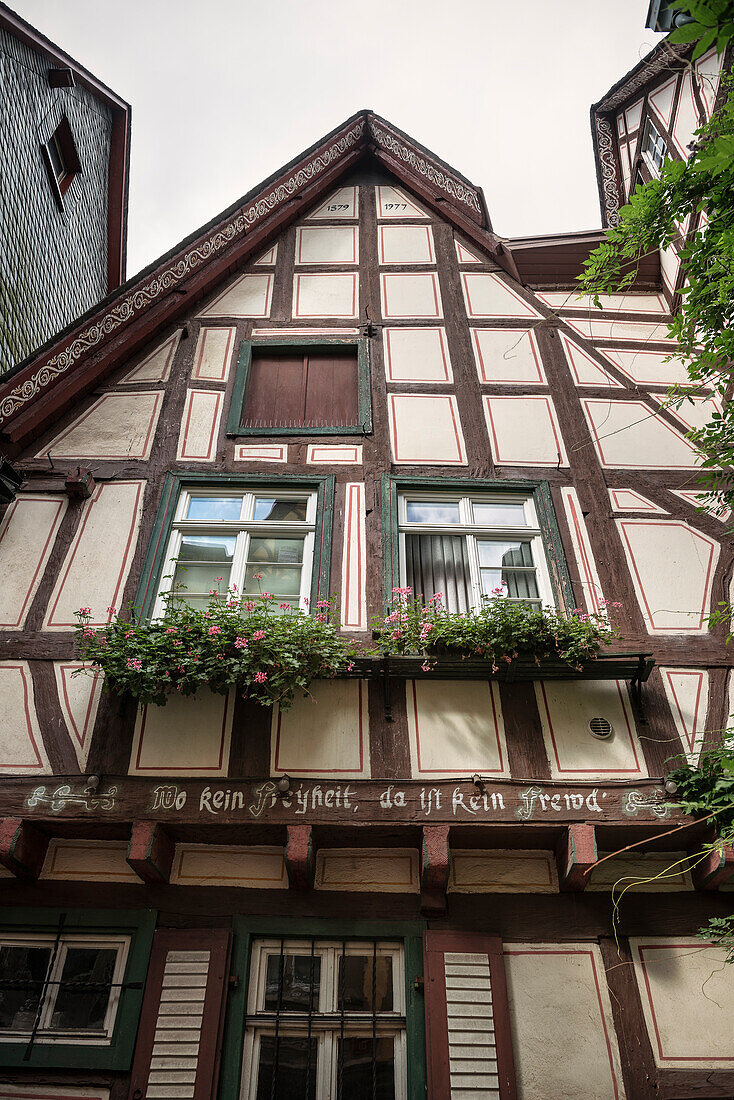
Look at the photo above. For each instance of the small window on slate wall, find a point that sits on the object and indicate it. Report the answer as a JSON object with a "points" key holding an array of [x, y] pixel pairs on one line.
{"points": [[316, 388]]}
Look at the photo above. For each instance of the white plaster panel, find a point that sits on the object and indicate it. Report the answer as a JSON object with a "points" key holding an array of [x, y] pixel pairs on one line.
{"points": [[342, 204], [597, 328], [27, 535], [647, 367], [688, 1000], [498, 871], [325, 733], [354, 559], [334, 454], [268, 258], [584, 368], [487, 295], [254, 868], [406, 244], [686, 116], [88, 861], [21, 747], [612, 303], [559, 1002], [700, 500], [425, 429], [279, 333], [387, 870], [629, 500], [672, 567], [117, 425], [628, 435], [247, 296], [329, 295], [197, 441], [98, 561], [261, 452], [79, 694], [642, 872], [688, 694], [583, 553], [708, 71], [508, 356], [661, 100], [670, 267], [524, 431], [416, 355], [455, 727], [696, 412], [394, 204], [632, 116], [408, 295], [190, 735], [156, 367], [621, 128], [332, 244], [566, 708], [465, 255], [214, 354]]}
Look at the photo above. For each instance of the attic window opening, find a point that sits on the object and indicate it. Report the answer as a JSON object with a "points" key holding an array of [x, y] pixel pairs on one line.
{"points": [[654, 149], [62, 159]]}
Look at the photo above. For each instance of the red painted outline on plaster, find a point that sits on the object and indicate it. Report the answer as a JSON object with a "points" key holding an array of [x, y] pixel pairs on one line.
{"points": [[541, 380], [186, 769], [353, 275], [191, 397], [171, 343], [649, 415], [403, 198], [466, 275], [490, 398], [249, 275], [442, 771], [53, 532], [29, 721], [623, 524], [204, 333], [429, 238], [142, 456], [354, 259], [690, 735], [94, 691], [593, 771], [278, 767], [582, 538], [418, 328], [393, 397], [385, 275]]}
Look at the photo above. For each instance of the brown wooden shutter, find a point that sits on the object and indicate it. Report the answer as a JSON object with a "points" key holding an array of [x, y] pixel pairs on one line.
{"points": [[469, 1045], [318, 388], [180, 1032]]}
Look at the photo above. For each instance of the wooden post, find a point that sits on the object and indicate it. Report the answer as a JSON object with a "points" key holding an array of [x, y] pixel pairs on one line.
{"points": [[299, 857], [575, 855], [434, 868], [151, 851], [716, 869], [22, 847]]}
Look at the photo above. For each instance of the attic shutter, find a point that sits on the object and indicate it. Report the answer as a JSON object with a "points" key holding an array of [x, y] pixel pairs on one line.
{"points": [[468, 1026], [179, 1038], [318, 388]]}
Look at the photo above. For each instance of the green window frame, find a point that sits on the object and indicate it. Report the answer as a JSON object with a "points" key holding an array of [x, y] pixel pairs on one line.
{"points": [[393, 485], [139, 925], [248, 929], [235, 427], [155, 558]]}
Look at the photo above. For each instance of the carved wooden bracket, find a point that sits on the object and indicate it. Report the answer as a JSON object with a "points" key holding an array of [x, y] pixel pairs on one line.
{"points": [[150, 853], [22, 847], [716, 869], [299, 857], [435, 858], [575, 855]]}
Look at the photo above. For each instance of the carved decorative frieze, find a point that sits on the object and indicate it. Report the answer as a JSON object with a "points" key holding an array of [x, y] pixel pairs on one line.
{"points": [[608, 166]]}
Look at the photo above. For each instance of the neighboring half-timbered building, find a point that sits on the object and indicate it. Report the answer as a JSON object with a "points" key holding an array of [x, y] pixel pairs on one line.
{"points": [[350, 382]]}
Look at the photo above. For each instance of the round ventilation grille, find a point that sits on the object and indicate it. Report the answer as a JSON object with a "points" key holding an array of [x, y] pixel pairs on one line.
{"points": [[601, 728]]}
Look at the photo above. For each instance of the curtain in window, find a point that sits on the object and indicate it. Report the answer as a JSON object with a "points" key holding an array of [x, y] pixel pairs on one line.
{"points": [[439, 563]]}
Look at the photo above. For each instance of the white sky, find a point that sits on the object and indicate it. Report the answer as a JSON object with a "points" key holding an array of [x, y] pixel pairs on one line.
{"points": [[226, 91]]}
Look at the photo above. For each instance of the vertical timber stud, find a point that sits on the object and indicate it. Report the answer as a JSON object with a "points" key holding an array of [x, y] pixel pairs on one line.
{"points": [[22, 847], [716, 869], [299, 857], [435, 856], [576, 854], [150, 853], [468, 1039]]}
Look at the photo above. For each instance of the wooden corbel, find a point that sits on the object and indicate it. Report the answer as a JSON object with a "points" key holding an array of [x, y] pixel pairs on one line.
{"points": [[150, 853], [299, 857], [435, 861], [22, 847], [575, 856], [716, 869]]}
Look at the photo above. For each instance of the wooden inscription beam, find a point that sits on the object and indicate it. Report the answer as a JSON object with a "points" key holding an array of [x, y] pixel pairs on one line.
{"points": [[22, 847], [435, 858], [575, 856], [150, 853], [299, 857]]}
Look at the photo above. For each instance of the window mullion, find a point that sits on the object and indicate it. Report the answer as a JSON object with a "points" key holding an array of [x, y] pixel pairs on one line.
{"points": [[239, 561], [474, 573]]}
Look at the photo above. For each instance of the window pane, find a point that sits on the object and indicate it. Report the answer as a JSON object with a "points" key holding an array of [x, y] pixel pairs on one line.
{"points": [[214, 508], [355, 972], [358, 1070], [23, 969], [493, 553], [280, 511], [206, 548], [299, 973], [84, 993], [204, 563], [271, 551], [438, 563], [436, 511], [511, 515], [280, 580], [295, 1062], [521, 586]]}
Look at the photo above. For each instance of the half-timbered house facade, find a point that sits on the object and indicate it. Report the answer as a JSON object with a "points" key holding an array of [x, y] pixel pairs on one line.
{"points": [[391, 890]]}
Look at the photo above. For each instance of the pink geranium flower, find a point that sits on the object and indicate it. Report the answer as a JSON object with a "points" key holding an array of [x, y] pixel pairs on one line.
{"points": [[261, 677], [258, 635]]}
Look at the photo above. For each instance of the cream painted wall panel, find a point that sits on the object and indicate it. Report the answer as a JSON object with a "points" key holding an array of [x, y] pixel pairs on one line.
{"points": [[117, 425], [88, 861], [387, 870], [628, 435], [524, 431], [672, 568], [590, 582], [465, 255], [507, 355], [670, 267], [343, 203], [708, 71], [559, 1002], [699, 500], [601, 329], [268, 258], [566, 707], [98, 561], [455, 728], [633, 115], [254, 868], [696, 412], [686, 117], [214, 354], [79, 694], [324, 734], [329, 295], [497, 871], [190, 735], [247, 296], [156, 367], [585, 369], [688, 694], [661, 101], [425, 429], [334, 454], [642, 872], [612, 303], [265, 452], [410, 295], [334, 244], [629, 500], [392, 203], [487, 295], [27, 535], [22, 751], [406, 244], [197, 441], [416, 355], [688, 1000], [354, 559]]}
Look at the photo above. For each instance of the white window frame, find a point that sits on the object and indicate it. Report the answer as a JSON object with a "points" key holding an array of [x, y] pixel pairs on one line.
{"points": [[530, 532], [326, 1017], [85, 1036], [652, 137], [243, 529]]}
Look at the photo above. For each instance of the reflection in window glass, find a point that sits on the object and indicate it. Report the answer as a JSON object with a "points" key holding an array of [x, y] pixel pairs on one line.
{"points": [[214, 509], [509, 564], [301, 978], [357, 1072], [22, 973], [84, 992], [204, 563], [421, 511], [356, 982], [291, 1057], [280, 511], [509, 515]]}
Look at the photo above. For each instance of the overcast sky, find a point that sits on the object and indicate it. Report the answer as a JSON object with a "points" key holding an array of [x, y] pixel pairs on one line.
{"points": [[226, 91]]}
